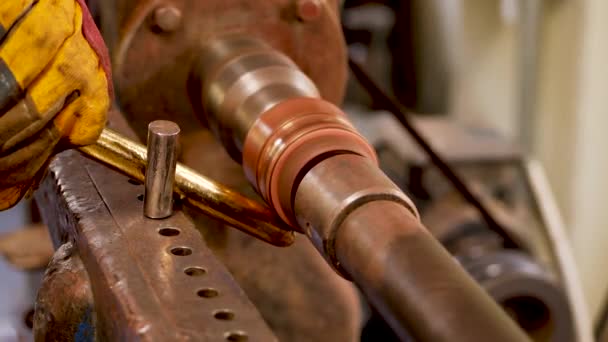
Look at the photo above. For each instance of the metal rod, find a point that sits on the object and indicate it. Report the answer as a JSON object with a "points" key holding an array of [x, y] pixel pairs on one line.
{"points": [[208, 196], [160, 170], [414, 283], [311, 166], [372, 236]]}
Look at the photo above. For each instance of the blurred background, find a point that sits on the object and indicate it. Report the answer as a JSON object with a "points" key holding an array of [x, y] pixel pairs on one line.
{"points": [[560, 115], [534, 71]]}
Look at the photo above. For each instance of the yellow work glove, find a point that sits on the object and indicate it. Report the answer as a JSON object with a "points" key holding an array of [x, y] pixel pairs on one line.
{"points": [[54, 88]]}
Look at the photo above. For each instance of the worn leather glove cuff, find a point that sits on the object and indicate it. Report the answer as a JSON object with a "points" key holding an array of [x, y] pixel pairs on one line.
{"points": [[93, 36]]}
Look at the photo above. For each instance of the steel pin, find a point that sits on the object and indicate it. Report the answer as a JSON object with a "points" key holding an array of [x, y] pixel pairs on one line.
{"points": [[160, 169]]}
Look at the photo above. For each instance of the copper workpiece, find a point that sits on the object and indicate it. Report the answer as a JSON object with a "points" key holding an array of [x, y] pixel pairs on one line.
{"points": [[287, 138], [65, 303], [311, 165]]}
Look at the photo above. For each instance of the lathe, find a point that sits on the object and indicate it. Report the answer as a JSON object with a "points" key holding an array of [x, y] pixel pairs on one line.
{"points": [[278, 213]]}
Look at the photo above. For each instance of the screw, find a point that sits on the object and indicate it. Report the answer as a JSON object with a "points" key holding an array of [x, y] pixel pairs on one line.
{"points": [[167, 18], [309, 10]]}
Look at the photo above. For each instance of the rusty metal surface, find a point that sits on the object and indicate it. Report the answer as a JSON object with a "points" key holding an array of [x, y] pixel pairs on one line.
{"points": [[156, 63], [64, 305], [151, 279]]}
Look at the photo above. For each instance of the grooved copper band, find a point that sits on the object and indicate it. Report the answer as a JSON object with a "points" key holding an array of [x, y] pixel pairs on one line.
{"points": [[10, 91], [290, 135]]}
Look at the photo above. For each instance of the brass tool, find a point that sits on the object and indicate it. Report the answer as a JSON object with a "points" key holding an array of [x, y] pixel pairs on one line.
{"points": [[210, 197]]}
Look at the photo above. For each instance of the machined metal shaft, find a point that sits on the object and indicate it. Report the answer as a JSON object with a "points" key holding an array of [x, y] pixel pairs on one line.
{"points": [[311, 165], [160, 170], [208, 196]]}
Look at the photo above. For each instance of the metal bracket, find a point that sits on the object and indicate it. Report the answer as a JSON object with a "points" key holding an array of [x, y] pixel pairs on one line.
{"points": [[151, 279]]}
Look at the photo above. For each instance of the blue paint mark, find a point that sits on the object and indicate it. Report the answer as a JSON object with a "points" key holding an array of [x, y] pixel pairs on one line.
{"points": [[86, 329]]}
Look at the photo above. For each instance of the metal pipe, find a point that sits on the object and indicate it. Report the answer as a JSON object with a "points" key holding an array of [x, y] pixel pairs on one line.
{"points": [[369, 232], [204, 194], [413, 282], [238, 87], [160, 170], [310, 164]]}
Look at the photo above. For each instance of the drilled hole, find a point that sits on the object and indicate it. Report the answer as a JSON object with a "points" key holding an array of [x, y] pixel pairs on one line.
{"points": [[208, 293], [531, 313], [168, 232], [224, 315], [134, 182], [140, 197], [195, 271], [28, 319], [236, 336], [181, 251]]}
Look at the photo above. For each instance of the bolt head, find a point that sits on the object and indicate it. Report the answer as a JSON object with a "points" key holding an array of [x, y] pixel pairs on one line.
{"points": [[309, 10], [167, 18]]}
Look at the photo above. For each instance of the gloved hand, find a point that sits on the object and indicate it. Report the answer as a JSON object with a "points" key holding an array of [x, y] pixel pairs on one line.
{"points": [[55, 87]]}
